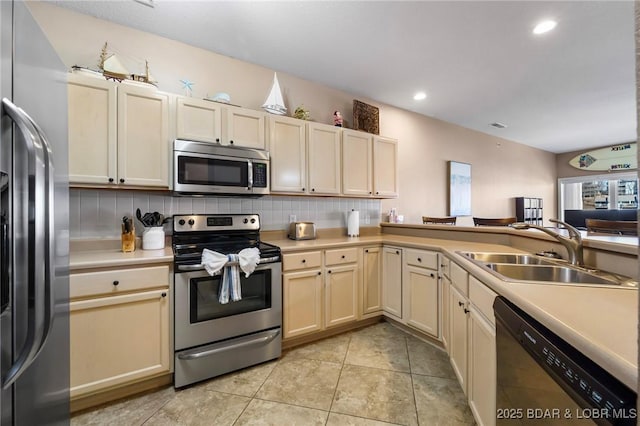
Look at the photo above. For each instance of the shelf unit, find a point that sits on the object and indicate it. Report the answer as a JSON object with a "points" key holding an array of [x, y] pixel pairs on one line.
{"points": [[529, 210]]}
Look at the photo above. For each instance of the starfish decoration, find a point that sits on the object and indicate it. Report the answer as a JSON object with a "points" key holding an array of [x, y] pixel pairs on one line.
{"points": [[187, 86]]}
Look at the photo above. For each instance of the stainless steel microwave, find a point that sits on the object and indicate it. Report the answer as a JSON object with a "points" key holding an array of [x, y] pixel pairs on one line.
{"points": [[207, 168]]}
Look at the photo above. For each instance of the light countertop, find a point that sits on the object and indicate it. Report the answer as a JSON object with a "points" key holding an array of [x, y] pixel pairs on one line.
{"points": [[602, 323]]}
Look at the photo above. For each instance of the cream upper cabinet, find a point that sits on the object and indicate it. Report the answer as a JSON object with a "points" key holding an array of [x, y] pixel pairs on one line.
{"points": [[357, 163], [385, 167], [324, 159], [392, 281], [369, 165], [118, 134], [288, 152], [243, 127], [372, 281], [93, 133], [118, 327], [199, 120], [143, 137]]}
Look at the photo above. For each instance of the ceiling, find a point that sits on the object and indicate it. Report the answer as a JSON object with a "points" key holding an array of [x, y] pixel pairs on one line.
{"points": [[478, 61]]}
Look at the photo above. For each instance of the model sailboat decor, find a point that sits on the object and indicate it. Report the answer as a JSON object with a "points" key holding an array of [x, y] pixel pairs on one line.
{"points": [[113, 69], [274, 103]]}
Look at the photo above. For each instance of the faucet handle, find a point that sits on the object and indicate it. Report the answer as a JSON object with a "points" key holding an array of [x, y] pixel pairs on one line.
{"points": [[573, 232]]}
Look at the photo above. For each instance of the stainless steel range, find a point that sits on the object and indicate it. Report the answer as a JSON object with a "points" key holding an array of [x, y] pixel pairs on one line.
{"points": [[212, 338]]}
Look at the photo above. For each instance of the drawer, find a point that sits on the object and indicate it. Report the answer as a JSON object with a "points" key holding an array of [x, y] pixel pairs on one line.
{"points": [[459, 278], [117, 281], [293, 261], [444, 266], [340, 256], [422, 258], [482, 297]]}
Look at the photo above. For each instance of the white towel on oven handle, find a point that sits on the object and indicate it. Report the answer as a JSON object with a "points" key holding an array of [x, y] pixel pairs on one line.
{"points": [[213, 261], [248, 259], [230, 281]]}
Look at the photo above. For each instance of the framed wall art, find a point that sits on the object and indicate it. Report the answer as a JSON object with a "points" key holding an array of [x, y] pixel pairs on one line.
{"points": [[366, 117], [459, 189]]}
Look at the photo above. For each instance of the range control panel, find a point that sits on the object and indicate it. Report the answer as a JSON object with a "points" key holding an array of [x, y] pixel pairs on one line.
{"points": [[212, 223]]}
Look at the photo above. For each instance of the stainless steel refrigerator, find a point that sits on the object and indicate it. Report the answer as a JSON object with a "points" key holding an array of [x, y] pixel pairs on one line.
{"points": [[34, 284]]}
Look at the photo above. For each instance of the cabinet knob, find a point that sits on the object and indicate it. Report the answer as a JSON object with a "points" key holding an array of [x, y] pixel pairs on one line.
{"points": [[397, 252], [369, 192], [231, 142], [313, 189], [303, 189], [466, 311], [366, 251], [377, 192], [432, 275], [121, 180], [304, 260], [460, 304], [329, 271], [419, 260], [164, 295], [343, 256], [110, 180], [319, 273], [218, 140], [116, 282]]}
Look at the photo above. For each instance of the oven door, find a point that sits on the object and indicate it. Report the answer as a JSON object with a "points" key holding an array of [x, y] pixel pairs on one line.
{"points": [[201, 319]]}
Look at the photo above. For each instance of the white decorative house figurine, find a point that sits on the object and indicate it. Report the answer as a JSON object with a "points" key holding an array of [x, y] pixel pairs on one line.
{"points": [[274, 103]]}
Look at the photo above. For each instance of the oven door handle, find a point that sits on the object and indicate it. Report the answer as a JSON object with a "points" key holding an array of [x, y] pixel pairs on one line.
{"points": [[199, 266], [223, 347]]}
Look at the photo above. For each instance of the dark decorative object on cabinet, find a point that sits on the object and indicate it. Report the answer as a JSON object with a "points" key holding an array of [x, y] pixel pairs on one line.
{"points": [[366, 117]]}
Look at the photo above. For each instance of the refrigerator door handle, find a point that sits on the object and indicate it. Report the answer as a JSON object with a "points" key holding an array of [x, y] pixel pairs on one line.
{"points": [[40, 309]]}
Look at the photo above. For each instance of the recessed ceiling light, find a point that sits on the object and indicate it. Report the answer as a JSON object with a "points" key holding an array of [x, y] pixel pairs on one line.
{"points": [[419, 96], [544, 27]]}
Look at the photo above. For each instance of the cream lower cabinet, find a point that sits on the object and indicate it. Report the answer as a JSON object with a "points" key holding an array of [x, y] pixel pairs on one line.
{"points": [[420, 291], [320, 290], [371, 281], [119, 327], [482, 385], [459, 323], [392, 282], [118, 134], [446, 308]]}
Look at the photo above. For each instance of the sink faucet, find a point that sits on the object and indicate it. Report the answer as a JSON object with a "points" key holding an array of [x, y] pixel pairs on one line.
{"points": [[573, 243]]}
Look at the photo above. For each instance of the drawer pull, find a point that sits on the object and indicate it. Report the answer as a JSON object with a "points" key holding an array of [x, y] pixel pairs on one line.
{"points": [[343, 256], [164, 294], [304, 261], [116, 282]]}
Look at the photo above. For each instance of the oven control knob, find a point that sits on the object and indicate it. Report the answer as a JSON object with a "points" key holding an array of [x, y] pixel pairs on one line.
{"points": [[191, 222], [245, 220], [181, 222], [253, 221]]}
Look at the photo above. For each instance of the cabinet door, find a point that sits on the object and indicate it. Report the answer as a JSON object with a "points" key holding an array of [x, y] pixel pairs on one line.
{"points": [[92, 130], [421, 298], [482, 368], [458, 338], [341, 294], [118, 339], [372, 282], [287, 147], [198, 120], [302, 300], [446, 308], [143, 137], [324, 158], [392, 281], [357, 164], [385, 167], [244, 127]]}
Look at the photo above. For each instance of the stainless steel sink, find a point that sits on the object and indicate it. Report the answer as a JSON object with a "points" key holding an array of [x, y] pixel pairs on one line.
{"points": [[511, 258], [517, 267], [548, 273]]}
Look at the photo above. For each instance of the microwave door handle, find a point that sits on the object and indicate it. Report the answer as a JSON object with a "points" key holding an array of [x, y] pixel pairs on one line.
{"points": [[33, 144], [250, 171]]}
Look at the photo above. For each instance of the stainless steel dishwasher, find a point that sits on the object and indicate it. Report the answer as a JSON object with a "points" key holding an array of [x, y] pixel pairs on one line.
{"points": [[542, 379]]}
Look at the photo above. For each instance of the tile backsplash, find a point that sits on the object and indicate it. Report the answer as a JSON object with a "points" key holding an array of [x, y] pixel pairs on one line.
{"points": [[98, 213]]}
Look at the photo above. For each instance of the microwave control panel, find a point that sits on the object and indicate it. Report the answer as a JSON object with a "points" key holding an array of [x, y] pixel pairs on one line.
{"points": [[260, 175]]}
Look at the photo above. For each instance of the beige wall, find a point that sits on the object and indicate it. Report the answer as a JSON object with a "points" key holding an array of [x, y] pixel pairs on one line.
{"points": [[501, 169]]}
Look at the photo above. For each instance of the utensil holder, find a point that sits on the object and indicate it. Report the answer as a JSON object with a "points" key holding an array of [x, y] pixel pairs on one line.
{"points": [[153, 238], [128, 240]]}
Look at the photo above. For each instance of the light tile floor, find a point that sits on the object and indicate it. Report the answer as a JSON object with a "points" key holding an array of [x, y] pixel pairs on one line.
{"points": [[378, 375]]}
